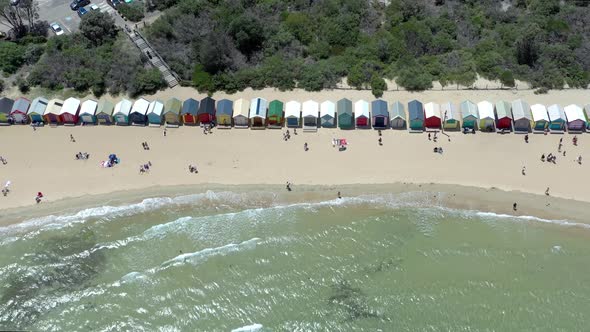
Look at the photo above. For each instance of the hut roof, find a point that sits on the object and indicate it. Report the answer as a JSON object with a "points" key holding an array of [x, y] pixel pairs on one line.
{"points": [[503, 110], [379, 108], [468, 108], [293, 109], [449, 112], [397, 110], [539, 112], [140, 106], [106, 107], [275, 108], [207, 106], [225, 107], [241, 107], [6, 105], [574, 112], [172, 105], [89, 107], [432, 110], [310, 108], [190, 106], [556, 113], [258, 107], [521, 110], [21, 104], [38, 106], [54, 107], [123, 107], [156, 107], [344, 106], [361, 108], [327, 109], [486, 110], [416, 110]]}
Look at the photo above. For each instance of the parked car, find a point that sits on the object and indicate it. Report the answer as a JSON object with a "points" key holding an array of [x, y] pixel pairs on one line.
{"points": [[79, 3], [94, 7], [57, 29], [114, 3], [82, 11]]}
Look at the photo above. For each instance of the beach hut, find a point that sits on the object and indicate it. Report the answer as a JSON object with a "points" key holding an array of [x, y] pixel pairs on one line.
{"points": [[155, 113], [70, 111], [398, 116], [487, 118], [293, 114], [344, 111], [380, 114], [224, 114], [521, 114], [19, 110], [576, 121], [310, 113], [540, 118], [503, 116], [5, 108], [328, 114], [121, 112], [37, 110], [557, 119], [206, 112], [88, 112], [51, 115], [587, 116], [138, 114], [189, 111], [432, 117], [275, 114], [450, 115], [416, 116], [258, 111], [104, 112], [241, 113], [362, 115], [469, 114], [171, 114]]}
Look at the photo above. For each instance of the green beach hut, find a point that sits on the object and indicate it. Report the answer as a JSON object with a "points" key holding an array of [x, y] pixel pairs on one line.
{"points": [[469, 113], [416, 116], [344, 111], [104, 112], [451, 117], [275, 114], [557, 119], [172, 109]]}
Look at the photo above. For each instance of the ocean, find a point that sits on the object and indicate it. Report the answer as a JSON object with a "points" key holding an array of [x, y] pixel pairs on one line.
{"points": [[226, 261]]}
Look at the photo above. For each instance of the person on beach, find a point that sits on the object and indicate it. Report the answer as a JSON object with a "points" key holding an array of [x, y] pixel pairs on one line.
{"points": [[579, 160], [526, 138], [288, 186], [339, 196], [429, 137], [4, 162], [514, 206], [294, 131], [38, 197], [164, 132], [564, 153], [543, 157], [305, 147], [6, 188], [559, 147], [547, 191], [380, 141], [72, 139], [379, 132], [523, 170], [575, 140], [561, 140]]}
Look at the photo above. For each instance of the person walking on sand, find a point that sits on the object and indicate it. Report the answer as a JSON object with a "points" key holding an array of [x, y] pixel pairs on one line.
{"points": [[380, 141], [543, 157], [523, 170], [305, 147], [559, 147], [575, 140], [579, 160], [72, 139], [339, 196], [164, 132], [561, 140], [429, 137], [288, 186], [514, 206], [526, 138], [547, 191]]}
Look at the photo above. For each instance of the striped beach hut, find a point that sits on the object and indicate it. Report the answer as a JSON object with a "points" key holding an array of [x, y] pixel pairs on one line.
{"points": [[576, 121], [37, 110], [310, 112], [241, 113], [70, 111], [275, 114], [521, 114], [293, 114], [19, 110], [171, 114], [5, 108], [469, 114], [104, 112], [257, 113], [189, 111], [557, 119], [344, 111], [451, 117], [51, 115], [416, 116], [380, 113], [362, 115], [328, 114], [432, 116], [398, 116], [224, 114], [155, 113], [121, 112], [540, 118], [206, 112], [138, 114], [487, 118], [503, 115], [88, 112]]}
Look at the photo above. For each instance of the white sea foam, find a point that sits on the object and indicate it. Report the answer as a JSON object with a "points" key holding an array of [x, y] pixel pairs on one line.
{"points": [[531, 218], [248, 328]]}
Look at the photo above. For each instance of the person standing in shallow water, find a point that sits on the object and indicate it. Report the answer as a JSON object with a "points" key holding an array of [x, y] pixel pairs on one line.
{"points": [[514, 206]]}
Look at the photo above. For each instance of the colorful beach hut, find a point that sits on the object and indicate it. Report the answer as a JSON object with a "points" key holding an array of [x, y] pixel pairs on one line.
{"points": [[189, 111], [171, 114], [293, 114], [51, 115], [224, 114], [37, 110], [503, 115], [521, 114], [557, 119], [104, 112], [469, 114], [70, 111], [19, 110], [121, 112], [398, 116], [432, 117], [155, 113], [416, 116], [138, 114], [88, 112], [206, 112], [344, 111], [576, 121], [540, 118], [362, 115], [275, 114], [328, 114], [487, 118], [380, 113], [450, 115], [5, 108], [310, 113], [257, 113], [241, 113]]}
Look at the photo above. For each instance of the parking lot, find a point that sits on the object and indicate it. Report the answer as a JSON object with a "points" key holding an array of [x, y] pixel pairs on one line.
{"points": [[59, 11]]}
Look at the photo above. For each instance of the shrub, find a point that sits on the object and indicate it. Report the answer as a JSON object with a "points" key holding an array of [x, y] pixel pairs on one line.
{"points": [[134, 11], [11, 57]]}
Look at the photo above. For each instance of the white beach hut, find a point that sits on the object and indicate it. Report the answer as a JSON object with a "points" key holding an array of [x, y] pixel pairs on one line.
{"points": [[121, 112], [70, 111], [540, 118], [241, 113], [362, 115], [557, 119], [310, 112], [293, 114], [521, 114], [88, 112], [154, 113], [258, 112], [138, 114], [576, 121], [487, 117], [328, 114], [450, 115]]}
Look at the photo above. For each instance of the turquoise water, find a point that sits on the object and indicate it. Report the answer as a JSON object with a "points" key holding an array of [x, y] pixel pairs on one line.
{"points": [[222, 261]]}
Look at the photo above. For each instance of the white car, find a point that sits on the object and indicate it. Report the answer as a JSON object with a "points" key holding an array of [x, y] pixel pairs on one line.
{"points": [[57, 29], [94, 7]]}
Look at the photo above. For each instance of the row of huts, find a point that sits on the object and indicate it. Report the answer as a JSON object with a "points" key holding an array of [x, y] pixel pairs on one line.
{"points": [[517, 116]]}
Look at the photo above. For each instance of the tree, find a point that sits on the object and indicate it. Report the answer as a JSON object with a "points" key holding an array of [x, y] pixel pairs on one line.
{"points": [[98, 27], [507, 79], [11, 57], [201, 79], [216, 52], [1, 86], [248, 33], [132, 11], [21, 18], [378, 85], [147, 81]]}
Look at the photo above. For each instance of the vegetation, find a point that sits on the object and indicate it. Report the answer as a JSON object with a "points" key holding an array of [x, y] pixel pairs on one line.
{"points": [[12, 57], [134, 11]]}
